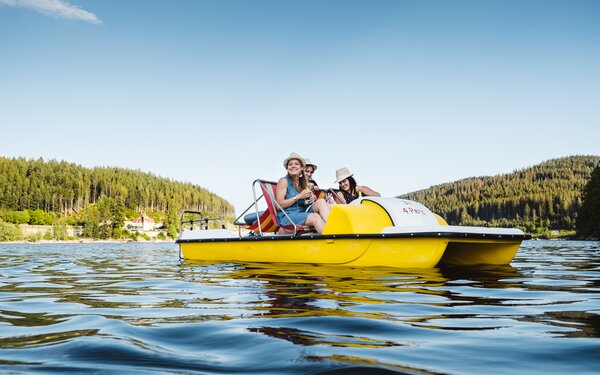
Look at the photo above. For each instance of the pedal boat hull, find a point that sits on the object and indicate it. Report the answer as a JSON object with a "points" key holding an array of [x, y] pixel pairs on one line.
{"points": [[369, 233]]}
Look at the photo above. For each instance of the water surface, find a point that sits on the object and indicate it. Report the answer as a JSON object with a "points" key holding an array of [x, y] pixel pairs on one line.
{"points": [[138, 308]]}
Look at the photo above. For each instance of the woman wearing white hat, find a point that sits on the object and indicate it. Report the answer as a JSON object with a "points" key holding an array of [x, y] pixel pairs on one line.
{"points": [[349, 190], [293, 195]]}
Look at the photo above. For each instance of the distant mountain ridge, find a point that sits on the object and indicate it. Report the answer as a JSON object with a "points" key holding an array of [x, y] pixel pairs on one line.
{"points": [[538, 198]]}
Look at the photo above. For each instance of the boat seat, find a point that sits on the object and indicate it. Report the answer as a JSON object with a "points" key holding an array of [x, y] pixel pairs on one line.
{"points": [[267, 221]]}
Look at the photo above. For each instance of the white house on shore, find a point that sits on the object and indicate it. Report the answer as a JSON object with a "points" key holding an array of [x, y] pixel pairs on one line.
{"points": [[142, 224]]}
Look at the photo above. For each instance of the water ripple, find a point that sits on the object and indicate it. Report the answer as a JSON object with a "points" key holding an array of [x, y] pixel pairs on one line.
{"points": [[138, 308]]}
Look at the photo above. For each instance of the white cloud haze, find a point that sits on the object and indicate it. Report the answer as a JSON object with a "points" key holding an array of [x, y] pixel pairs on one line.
{"points": [[55, 8]]}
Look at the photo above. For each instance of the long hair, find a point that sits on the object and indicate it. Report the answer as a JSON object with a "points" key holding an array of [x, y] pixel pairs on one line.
{"points": [[303, 180], [352, 182]]}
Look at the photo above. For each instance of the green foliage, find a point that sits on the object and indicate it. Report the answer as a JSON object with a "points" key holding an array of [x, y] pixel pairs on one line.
{"points": [[89, 218], [99, 199], [100, 220], [539, 198], [35, 237], [16, 217], [588, 219], [59, 229], [39, 217], [65, 188], [173, 231], [9, 232], [117, 233]]}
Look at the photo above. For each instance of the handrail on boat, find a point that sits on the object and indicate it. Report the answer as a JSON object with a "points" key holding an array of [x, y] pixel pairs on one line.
{"points": [[203, 220], [191, 221], [334, 195], [255, 205]]}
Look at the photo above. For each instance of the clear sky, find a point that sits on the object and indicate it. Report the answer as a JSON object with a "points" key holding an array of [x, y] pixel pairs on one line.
{"points": [[406, 94]]}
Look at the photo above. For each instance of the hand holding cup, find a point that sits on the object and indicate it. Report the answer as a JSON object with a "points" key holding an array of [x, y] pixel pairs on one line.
{"points": [[305, 194]]}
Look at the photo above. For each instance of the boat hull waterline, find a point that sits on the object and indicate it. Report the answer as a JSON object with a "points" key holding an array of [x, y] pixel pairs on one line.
{"points": [[373, 232], [414, 250]]}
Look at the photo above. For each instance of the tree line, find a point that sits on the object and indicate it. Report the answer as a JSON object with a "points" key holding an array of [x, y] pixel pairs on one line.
{"points": [[38, 192], [58, 186], [588, 219], [544, 197]]}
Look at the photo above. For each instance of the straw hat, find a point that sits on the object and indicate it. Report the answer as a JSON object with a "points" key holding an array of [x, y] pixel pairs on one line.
{"points": [[342, 174], [308, 162], [294, 155]]}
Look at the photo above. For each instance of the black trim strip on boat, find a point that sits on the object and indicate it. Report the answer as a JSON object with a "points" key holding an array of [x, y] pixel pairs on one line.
{"points": [[370, 235]]}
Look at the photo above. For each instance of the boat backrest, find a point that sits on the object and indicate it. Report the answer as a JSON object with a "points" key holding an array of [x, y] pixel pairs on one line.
{"points": [[269, 190], [266, 221]]}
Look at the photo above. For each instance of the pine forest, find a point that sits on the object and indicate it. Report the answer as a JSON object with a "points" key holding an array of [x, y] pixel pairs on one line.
{"points": [[40, 192], [537, 199]]}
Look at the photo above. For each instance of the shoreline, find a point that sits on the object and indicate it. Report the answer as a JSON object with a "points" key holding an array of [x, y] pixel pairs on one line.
{"points": [[85, 240], [91, 240]]}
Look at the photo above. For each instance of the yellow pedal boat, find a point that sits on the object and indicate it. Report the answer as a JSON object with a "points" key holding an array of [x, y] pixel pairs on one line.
{"points": [[371, 231]]}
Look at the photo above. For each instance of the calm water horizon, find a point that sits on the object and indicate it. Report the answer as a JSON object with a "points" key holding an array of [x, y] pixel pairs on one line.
{"points": [[138, 308]]}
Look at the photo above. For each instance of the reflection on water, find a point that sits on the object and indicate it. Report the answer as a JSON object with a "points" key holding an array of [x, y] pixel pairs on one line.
{"points": [[137, 307]]}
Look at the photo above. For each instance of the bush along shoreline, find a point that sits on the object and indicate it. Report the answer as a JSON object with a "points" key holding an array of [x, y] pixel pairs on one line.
{"points": [[10, 232]]}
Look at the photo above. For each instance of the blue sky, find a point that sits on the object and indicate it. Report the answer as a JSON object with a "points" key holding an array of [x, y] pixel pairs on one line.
{"points": [[406, 94]]}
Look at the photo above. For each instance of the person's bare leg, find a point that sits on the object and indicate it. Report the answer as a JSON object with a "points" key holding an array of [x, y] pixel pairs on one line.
{"points": [[320, 207], [314, 220]]}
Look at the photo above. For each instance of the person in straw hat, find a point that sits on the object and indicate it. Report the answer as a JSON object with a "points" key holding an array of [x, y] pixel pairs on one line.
{"points": [[349, 190], [294, 197]]}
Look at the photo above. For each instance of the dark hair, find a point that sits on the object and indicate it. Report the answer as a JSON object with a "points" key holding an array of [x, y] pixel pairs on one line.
{"points": [[303, 182], [352, 182]]}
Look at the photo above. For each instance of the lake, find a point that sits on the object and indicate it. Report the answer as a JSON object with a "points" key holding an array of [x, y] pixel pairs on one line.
{"points": [[137, 308]]}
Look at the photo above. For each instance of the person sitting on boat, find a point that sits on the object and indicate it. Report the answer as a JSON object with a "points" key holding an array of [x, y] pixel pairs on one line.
{"points": [[349, 190], [309, 170], [294, 197]]}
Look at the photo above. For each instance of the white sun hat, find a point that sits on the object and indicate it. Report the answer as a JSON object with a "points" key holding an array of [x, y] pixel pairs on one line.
{"points": [[342, 174], [294, 155], [308, 162]]}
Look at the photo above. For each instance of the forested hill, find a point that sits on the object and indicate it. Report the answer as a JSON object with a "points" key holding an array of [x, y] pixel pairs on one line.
{"points": [[64, 188], [539, 198]]}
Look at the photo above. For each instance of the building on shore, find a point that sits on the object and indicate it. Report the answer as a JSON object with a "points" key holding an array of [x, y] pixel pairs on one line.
{"points": [[142, 224]]}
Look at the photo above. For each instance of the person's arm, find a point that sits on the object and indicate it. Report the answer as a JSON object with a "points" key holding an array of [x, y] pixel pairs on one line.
{"points": [[368, 191], [340, 197], [280, 191], [315, 192]]}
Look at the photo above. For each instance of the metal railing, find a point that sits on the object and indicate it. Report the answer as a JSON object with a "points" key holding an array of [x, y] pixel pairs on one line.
{"points": [[202, 221], [255, 205]]}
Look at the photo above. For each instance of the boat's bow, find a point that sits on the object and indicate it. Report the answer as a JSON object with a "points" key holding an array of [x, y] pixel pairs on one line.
{"points": [[466, 245]]}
